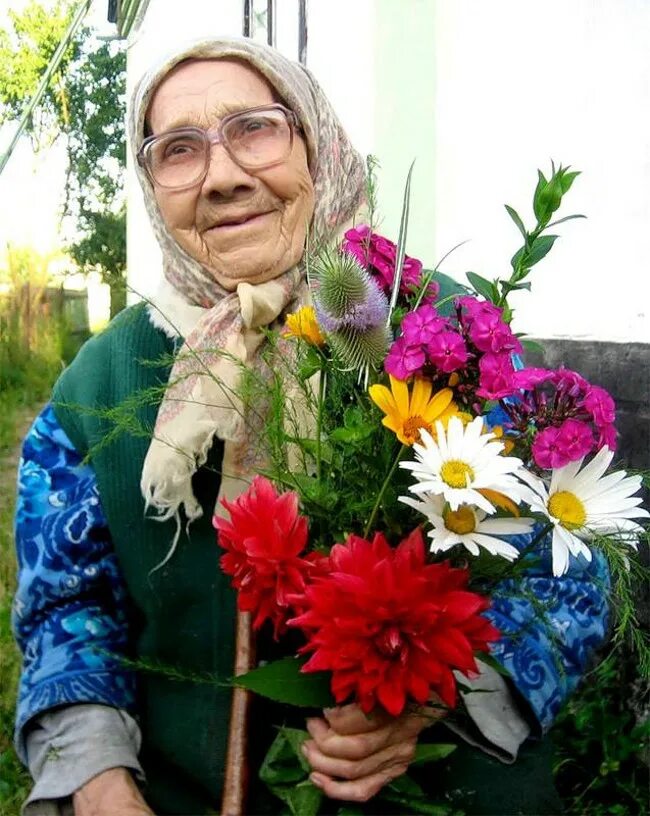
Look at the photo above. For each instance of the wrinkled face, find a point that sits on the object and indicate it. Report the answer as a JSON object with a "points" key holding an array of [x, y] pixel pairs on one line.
{"points": [[277, 202]]}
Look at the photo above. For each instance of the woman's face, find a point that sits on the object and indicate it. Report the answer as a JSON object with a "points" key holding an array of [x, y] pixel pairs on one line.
{"points": [[278, 201]]}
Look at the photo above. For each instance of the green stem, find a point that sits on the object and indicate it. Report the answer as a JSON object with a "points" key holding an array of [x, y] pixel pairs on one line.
{"points": [[545, 529], [380, 495], [319, 418]]}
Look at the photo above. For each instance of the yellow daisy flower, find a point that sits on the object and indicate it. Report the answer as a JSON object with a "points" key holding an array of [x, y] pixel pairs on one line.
{"points": [[303, 324], [406, 414]]}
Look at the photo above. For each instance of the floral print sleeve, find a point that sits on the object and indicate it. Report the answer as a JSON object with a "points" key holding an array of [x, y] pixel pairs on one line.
{"points": [[69, 614], [550, 627]]}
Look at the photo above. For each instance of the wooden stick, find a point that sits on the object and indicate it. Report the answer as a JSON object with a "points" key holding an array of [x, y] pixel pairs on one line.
{"points": [[236, 774]]}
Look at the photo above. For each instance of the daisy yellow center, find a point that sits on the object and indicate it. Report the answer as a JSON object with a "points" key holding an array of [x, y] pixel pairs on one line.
{"points": [[411, 428], [461, 521], [568, 509], [455, 473]]}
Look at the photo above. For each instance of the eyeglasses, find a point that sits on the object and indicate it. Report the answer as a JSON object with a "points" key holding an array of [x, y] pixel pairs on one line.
{"points": [[254, 139]]}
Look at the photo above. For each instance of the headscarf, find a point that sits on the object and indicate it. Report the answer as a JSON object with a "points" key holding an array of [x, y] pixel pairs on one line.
{"points": [[201, 400]]}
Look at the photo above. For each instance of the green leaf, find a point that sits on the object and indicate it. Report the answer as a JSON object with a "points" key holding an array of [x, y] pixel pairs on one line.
{"points": [[524, 258], [548, 197], [537, 200], [282, 765], [567, 179], [310, 447], [349, 810], [283, 682], [304, 799], [400, 252], [413, 805], [308, 367], [350, 435], [481, 285], [519, 223], [540, 248], [404, 785], [532, 346], [566, 218], [314, 490], [432, 752]]}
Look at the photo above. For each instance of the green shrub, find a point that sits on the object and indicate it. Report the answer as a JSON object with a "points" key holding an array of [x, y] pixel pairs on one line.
{"points": [[600, 739]]}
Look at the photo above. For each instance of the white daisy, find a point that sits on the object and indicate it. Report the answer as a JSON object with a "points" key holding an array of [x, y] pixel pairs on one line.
{"points": [[461, 462], [585, 503], [468, 526]]}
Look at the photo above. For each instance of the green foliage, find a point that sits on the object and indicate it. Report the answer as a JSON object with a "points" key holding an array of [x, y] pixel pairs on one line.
{"points": [[283, 681], [26, 47], [86, 105], [599, 739]]}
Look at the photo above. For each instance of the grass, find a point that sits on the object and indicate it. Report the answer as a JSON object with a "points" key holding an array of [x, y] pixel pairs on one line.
{"points": [[28, 369], [14, 781]]}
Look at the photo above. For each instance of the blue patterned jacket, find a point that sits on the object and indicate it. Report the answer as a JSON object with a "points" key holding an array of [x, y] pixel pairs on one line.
{"points": [[70, 609]]}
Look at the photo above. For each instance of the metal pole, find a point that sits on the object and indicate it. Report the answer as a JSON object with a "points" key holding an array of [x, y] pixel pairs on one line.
{"points": [[302, 32], [270, 22], [246, 27], [47, 76]]}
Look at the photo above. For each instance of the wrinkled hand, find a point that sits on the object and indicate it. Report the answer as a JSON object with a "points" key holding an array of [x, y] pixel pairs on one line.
{"points": [[353, 755], [111, 793]]}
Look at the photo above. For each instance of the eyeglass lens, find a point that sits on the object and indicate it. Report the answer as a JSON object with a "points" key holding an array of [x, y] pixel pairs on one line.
{"points": [[253, 139]]}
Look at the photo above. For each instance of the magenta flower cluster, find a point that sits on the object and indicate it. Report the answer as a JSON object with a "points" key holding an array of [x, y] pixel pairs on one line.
{"points": [[572, 418], [378, 255], [476, 338]]}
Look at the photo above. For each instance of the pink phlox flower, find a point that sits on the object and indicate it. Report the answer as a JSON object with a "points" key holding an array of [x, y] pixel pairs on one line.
{"points": [[600, 405], [489, 333], [447, 351], [570, 382], [404, 359], [379, 256], [557, 446], [546, 451], [529, 378], [420, 325], [357, 242], [576, 439], [472, 308], [607, 436], [496, 376]]}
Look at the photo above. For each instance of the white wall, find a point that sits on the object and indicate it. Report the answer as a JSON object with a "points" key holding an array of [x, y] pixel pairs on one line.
{"points": [[519, 83], [481, 94]]}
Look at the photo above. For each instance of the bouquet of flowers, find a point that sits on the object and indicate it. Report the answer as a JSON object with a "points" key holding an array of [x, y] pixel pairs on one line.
{"points": [[412, 462]]}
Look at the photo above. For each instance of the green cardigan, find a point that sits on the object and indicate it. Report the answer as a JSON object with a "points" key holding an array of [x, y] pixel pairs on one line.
{"points": [[182, 614]]}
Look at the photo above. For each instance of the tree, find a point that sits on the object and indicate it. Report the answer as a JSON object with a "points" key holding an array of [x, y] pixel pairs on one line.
{"points": [[85, 104]]}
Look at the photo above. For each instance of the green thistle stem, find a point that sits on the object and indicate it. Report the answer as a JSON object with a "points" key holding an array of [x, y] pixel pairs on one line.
{"points": [[319, 418], [380, 495]]}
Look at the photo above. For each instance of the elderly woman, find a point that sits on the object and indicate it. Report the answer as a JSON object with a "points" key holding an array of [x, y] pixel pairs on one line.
{"points": [[239, 154]]}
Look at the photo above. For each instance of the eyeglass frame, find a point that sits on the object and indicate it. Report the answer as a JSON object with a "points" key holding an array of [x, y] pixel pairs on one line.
{"points": [[214, 136]]}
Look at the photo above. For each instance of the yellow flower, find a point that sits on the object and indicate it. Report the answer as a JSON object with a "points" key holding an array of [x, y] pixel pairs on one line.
{"points": [[406, 414], [303, 324]]}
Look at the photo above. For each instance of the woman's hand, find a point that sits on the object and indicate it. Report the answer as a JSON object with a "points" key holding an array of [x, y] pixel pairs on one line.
{"points": [[353, 755], [111, 793]]}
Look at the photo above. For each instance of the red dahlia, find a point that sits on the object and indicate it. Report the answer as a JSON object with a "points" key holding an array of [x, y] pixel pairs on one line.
{"points": [[263, 540], [391, 627]]}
